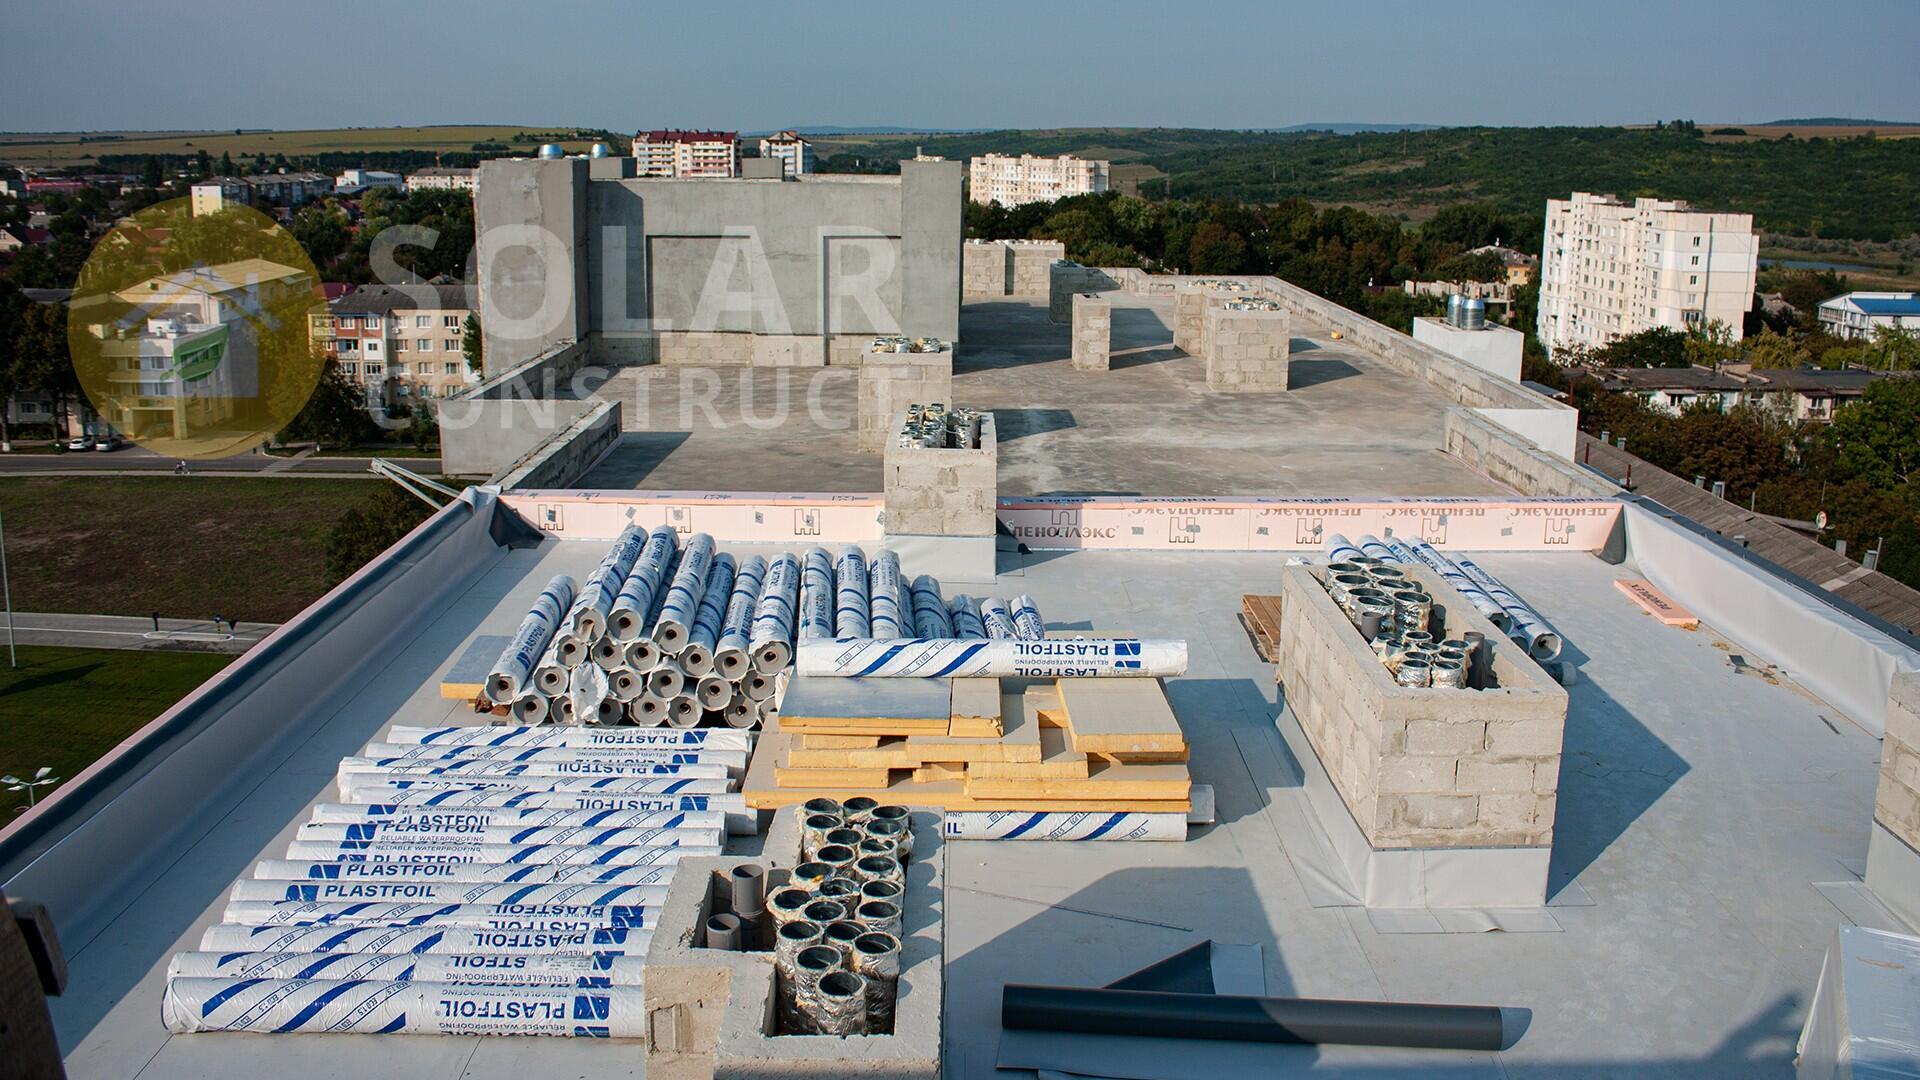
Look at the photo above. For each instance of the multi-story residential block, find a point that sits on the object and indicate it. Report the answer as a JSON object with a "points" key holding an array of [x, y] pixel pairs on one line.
{"points": [[438, 178], [795, 153], [1859, 314], [673, 152], [212, 195], [354, 181], [1010, 181], [1609, 269], [399, 342], [1804, 395]]}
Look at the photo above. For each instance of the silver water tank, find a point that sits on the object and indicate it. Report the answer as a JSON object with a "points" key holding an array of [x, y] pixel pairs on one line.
{"points": [[550, 151], [599, 150], [1473, 314], [1455, 304]]}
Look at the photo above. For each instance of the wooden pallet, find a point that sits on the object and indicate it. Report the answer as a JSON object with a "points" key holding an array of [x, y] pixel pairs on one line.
{"points": [[1260, 615]]}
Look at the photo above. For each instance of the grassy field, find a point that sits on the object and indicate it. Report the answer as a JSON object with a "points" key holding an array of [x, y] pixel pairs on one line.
{"points": [[66, 707], [252, 549], [51, 151]]}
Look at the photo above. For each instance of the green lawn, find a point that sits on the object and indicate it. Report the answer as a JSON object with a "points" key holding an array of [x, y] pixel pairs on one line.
{"points": [[64, 708], [252, 549]]}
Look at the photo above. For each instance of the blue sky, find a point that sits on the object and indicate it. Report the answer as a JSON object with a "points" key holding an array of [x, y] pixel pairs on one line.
{"points": [[106, 64]]}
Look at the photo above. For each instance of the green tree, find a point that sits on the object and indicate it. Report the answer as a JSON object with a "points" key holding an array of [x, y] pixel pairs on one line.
{"points": [[364, 532], [41, 361], [226, 164], [1710, 344], [335, 414], [1217, 250], [1659, 347], [1877, 438], [472, 345], [423, 430], [1773, 351], [1894, 348], [150, 175]]}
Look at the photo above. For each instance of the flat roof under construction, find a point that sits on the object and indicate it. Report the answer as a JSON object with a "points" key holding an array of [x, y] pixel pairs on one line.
{"points": [[1711, 826]]}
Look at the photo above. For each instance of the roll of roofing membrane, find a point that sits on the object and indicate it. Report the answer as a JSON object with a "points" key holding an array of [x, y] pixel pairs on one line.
{"points": [[1339, 549], [1044, 825], [551, 736], [1527, 627], [885, 618], [817, 595], [1053, 658], [373, 1008], [425, 940], [1157, 1014], [512, 673], [660, 781], [491, 893], [1027, 623], [930, 618], [286, 870], [997, 615], [405, 753], [386, 851], [585, 835], [627, 619], [389, 796], [464, 820], [681, 603], [731, 651], [850, 600], [1470, 590], [588, 619], [964, 612], [491, 969], [472, 916], [496, 767], [771, 637], [696, 658]]}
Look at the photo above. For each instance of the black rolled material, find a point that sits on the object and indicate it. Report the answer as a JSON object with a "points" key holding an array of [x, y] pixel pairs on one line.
{"points": [[1250, 1019]]}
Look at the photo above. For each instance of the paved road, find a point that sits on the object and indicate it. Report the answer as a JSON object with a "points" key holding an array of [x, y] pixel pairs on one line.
{"points": [[134, 461], [133, 632]]}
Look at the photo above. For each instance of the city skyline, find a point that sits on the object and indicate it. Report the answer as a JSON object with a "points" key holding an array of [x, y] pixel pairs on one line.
{"points": [[1135, 65]]}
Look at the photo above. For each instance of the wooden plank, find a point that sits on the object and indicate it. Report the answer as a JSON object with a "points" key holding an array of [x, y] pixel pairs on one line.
{"points": [[1180, 757], [974, 729], [1120, 716], [865, 779], [1108, 781], [939, 772], [1656, 603], [1020, 743], [840, 742], [829, 705]]}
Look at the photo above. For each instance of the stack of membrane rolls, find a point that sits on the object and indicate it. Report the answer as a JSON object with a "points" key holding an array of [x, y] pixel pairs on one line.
{"points": [[838, 923], [471, 880], [688, 636], [1368, 580]]}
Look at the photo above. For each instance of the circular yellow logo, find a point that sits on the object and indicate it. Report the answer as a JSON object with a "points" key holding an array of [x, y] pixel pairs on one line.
{"points": [[197, 336]]}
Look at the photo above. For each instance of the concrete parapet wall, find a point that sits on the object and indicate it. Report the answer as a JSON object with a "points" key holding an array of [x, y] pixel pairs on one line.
{"points": [[889, 382], [1501, 454], [1422, 767], [564, 458], [1247, 351], [1896, 802], [1092, 332], [1064, 280], [986, 269], [495, 424], [941, 492]]}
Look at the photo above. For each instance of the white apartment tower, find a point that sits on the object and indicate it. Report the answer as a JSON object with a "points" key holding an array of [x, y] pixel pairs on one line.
{"points": [[1011, 181], [672, 152], [1609, 269], [795, 153]]}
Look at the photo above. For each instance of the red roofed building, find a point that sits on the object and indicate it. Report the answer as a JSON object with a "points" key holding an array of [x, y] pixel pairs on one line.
{"points": [[15, 237], [687, 153]]}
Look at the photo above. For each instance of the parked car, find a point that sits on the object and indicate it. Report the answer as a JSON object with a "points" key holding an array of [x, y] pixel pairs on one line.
{"points": [[109, 442], [79, 442]]}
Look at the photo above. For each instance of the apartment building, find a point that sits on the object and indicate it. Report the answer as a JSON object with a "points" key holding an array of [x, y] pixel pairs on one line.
{"points": [[214, 194], [1609, 269], [795, 153], [399, 342], [438, 178], [1804, 395], [354, 181], [1010, 181], [1859, 314], [672, 152]]}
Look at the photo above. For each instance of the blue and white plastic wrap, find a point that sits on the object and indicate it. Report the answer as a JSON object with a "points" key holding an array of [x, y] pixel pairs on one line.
{"points": [[964, 612], [664, 828], [425, 941], [587, 690], [1373, 548], [484, 969], [666, 853], [651, 810], [388, 795], [997, 617], [1339, 549], [517, 778], [285, 870], [708, 738], [771, 639], [1044, 825], [512, 674], [817, 595], [491, 893], [1027, 622], [850, 611], [471, 916], [930, 619], [588, 619], [1470, 590], [503, 768], [731, 655], [1527, 628], [401, 753], [415, 1008], [682, 604], [696, 658], [627, 619], [885, 619], [1054, 658]]}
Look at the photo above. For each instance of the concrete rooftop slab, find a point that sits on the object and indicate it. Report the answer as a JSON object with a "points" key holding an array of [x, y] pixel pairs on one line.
{"points": [[1351, 425]]}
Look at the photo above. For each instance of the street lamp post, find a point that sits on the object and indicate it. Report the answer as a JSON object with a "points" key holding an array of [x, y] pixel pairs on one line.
{"points": [[40, 780], [6, 591]]}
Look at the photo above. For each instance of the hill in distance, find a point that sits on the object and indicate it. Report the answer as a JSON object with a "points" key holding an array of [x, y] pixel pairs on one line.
{"points": [[1835, 121]]}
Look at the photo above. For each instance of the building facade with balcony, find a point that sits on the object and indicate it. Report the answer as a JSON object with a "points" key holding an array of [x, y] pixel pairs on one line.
{"points": [[1011, 181], [1609, 269], [399, 343], [686, 154], [1858, 315], [795, 153]]}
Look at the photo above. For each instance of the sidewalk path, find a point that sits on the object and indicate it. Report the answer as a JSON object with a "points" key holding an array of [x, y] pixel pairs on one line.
{"points": [[132, 632]]}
